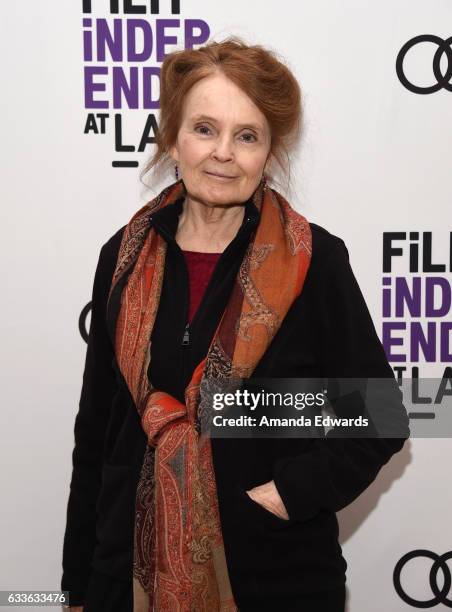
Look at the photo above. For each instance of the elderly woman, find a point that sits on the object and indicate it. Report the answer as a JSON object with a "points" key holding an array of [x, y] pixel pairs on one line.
{"points": [[216, 278]]}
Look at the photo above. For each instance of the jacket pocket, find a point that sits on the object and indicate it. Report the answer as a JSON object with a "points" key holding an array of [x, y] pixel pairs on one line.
{"points": [[260, 513]]}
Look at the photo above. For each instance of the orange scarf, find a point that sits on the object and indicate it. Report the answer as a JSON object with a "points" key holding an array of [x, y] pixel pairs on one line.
{"points": [[179, 558]]}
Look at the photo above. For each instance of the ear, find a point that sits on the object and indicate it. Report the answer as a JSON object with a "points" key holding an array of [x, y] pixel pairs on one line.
{"points": [[268, 163], [173, 151]]}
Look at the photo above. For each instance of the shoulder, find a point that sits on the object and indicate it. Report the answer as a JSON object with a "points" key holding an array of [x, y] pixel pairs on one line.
{"points": [[109, 254], [111, 247], [325, 246], [331, 271]]}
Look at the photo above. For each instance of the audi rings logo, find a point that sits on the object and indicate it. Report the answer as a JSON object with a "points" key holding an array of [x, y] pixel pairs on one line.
{"points": [[442, 80], [84, 332], [440, 593]]}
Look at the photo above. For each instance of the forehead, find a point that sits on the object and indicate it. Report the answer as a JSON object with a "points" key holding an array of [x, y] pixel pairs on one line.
{"points": [[219, 98]]}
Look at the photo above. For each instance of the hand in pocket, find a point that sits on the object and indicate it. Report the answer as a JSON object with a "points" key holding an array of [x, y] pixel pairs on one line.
{"points": [[267, 496]]}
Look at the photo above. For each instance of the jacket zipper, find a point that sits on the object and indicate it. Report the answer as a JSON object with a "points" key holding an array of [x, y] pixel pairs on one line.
{"points": [[198, 312], [186, 338], [185, 342]]}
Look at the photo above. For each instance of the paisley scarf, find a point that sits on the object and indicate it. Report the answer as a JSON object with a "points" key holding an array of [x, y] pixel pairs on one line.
{"points": [[179, 558]]}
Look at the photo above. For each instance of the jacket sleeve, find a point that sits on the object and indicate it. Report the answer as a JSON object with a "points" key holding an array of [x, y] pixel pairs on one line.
{"points": [[98, 388], [337, 468]]}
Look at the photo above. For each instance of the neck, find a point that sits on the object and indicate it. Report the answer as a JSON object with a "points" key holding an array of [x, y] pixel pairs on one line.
{"points": [[208, 229]]}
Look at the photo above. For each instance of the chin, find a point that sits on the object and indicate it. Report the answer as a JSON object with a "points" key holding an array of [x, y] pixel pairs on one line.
{"points": [[223, 195]]}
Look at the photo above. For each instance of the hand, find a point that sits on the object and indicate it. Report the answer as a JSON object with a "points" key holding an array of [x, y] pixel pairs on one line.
{"points": [[267, 496]]}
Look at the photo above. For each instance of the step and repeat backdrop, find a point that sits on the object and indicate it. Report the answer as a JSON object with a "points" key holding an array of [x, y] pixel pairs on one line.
{"points": [[81, 109]]}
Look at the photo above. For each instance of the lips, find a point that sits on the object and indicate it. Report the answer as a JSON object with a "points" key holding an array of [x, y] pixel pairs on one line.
{"points": [[220, 175]]}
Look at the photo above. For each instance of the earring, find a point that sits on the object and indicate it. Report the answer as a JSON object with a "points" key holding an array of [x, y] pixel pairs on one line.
{"points": [[176, 172], [264, 181]]}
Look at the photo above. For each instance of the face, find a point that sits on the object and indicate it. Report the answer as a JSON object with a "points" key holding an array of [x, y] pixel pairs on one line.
{"points": [[223, 143]]}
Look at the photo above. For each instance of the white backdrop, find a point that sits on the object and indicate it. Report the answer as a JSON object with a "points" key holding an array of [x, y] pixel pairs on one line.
{"points": [[375, 158]]}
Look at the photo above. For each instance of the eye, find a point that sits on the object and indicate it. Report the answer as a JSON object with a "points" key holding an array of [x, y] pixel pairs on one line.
{"points": [[202, 127], [249, 134]]}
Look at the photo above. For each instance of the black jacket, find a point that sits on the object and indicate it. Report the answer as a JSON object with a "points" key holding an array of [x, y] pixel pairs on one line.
{"points": [[328, 332]]}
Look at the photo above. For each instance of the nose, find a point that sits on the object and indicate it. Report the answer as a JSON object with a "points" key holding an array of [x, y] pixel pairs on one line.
{"points": [[223, 149]]}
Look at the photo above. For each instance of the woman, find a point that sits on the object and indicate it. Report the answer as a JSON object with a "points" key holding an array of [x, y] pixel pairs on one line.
{"points": [[216, 278]]}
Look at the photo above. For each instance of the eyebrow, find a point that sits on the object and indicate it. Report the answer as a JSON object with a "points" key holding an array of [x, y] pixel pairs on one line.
{"points": [[213, 120]]}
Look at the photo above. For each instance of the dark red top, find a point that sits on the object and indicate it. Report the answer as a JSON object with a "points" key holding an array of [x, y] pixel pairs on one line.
{"points": [[200, 267]]}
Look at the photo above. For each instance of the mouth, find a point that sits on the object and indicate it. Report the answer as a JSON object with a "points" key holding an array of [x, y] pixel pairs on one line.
{"points": [[217, 175]]}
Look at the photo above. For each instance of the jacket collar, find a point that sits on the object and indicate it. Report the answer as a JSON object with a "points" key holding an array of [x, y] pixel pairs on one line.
{"points": [[166, 219]]}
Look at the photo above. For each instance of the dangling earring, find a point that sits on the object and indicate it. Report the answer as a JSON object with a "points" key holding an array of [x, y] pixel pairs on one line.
{"points": [[176, 171], [264, 181]]}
